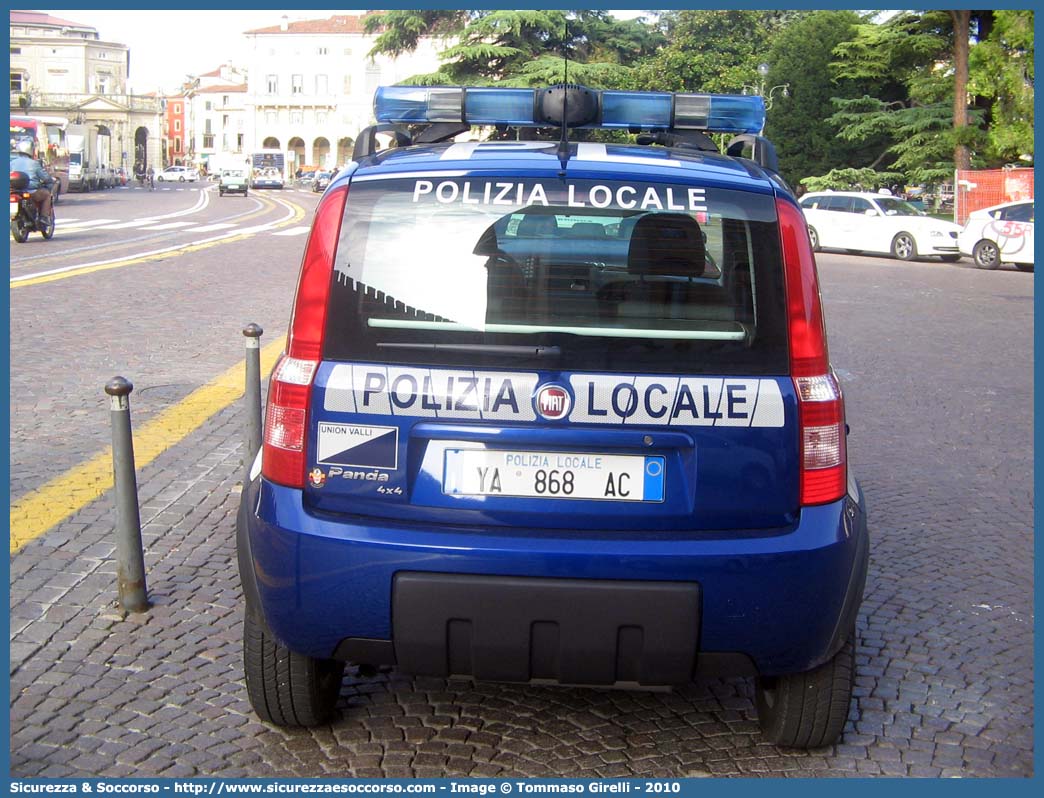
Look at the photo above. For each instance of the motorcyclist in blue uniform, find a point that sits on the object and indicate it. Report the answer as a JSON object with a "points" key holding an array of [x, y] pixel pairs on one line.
{"points": [[40, 182]]}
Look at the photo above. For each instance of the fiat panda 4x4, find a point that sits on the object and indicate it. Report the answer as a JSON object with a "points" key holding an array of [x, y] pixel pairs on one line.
{"points": [[556, 411]]}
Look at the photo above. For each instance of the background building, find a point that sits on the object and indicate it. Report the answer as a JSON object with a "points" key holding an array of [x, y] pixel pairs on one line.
{"points": [[216, 118], [175, 131], [63, 68], [310, 87]]}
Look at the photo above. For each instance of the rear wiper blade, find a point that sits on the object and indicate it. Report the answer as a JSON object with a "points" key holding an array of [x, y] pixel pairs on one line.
{"points": [[508, 350]]}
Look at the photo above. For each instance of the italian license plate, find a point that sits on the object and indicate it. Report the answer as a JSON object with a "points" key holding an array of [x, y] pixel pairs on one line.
{"points": [[14, 209], [234, 185], [553, 475]]}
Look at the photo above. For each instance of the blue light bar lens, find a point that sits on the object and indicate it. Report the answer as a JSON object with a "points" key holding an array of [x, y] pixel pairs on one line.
{"points": [[723, 113], [494, 106], [476, 106], [624, 109], [417, 104]]}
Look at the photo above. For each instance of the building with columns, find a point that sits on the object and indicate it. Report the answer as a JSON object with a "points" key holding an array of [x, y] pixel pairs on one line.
{"points": [[62, 68], [311, 83]]}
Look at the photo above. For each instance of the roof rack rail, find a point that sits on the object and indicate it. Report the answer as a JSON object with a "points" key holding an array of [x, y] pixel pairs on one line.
{"points": [[761, 150]]}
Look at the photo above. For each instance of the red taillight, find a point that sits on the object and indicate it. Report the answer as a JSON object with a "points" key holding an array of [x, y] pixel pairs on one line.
{"points": [[305, 340], [821, 407], [289, 393]]}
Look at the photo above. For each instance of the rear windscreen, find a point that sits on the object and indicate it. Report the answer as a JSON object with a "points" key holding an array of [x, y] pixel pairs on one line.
{"points": [[568, 274]]}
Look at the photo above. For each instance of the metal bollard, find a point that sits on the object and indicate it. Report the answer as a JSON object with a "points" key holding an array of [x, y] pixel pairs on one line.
{"points": [[252, 396], [130, 560]]}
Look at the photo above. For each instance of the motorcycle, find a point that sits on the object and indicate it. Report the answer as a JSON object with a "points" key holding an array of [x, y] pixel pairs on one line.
{"points": [[25, 218]]}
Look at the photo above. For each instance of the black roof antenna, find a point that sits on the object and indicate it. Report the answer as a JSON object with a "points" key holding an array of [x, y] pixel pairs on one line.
{"points": [[563, 142]]}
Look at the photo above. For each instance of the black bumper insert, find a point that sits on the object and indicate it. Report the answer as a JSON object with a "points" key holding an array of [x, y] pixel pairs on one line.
{"points": [[521, 629]]}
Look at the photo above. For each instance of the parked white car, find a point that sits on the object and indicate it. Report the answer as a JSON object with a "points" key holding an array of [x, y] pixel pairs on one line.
{"points": [[1000, 234], [866, 222], [177, 174]]}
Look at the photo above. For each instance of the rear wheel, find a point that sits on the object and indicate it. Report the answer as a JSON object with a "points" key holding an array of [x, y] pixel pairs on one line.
{"points": [[47, 227], [986, 255], [808, 710], [904, 247], [19, 233], [286, 688], [813, 237]]}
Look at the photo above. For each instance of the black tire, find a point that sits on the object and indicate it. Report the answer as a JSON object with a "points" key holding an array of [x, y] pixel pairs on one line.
{"points": [[1024, 267], [904, 247], [808, 710], [221, 193], [181, 179], [813, 237], [19, 233], [986, 254], [286, 688], [47, 230], [949, 258]]}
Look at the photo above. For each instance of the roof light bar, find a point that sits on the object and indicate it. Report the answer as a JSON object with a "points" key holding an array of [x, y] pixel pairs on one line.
{"points": [[720, 113]]}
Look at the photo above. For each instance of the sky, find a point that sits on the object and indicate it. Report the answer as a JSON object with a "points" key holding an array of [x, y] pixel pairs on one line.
{"points": [[167, 45]]}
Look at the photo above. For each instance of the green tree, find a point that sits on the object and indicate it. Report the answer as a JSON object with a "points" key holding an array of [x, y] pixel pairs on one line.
{"points": [[925, 54], [712, 51], [1001, 72], [799, 57], [521, 48]]}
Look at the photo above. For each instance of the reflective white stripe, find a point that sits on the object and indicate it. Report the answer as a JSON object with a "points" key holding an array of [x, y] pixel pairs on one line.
{"points": [[597, 398], [408, 175], [592, 151], [430, 393]]}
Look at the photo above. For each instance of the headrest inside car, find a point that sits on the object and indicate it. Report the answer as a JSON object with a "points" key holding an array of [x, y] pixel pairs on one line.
{"points": [[667, 244]]}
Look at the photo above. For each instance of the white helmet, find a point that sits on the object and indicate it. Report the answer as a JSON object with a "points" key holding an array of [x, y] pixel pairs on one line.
{"points": [[25, 146]]}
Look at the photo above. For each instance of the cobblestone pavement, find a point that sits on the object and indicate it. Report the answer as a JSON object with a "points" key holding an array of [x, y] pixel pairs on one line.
{"points": [[937, 365]]}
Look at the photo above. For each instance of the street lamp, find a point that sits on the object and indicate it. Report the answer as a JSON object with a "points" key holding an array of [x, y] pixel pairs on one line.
{"points": [[759, 87]]}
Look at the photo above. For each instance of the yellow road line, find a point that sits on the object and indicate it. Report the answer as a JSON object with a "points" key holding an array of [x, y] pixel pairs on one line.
{"points": [[119, 264], [49, 505]]}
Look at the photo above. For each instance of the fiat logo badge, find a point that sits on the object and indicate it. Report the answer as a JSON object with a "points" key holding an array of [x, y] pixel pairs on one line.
{"points": [[553, 402]]}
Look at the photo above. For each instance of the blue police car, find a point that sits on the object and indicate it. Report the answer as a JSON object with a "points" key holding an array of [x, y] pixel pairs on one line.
{"points": [[556, 410]]}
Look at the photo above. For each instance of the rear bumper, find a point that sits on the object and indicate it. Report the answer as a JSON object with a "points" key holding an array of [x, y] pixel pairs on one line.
{"points": [[781, 601]]}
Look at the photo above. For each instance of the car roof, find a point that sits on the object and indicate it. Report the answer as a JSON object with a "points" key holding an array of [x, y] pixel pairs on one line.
{"points": [[1007, 205], [587, 159]]}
